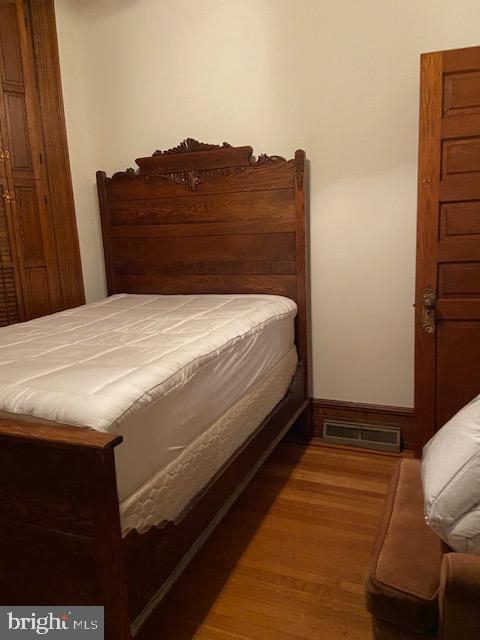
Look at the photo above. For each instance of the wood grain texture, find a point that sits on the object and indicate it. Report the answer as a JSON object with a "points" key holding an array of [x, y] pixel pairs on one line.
{"points": [[128, 186], [132, 255], [364, 413], [42, 31], [427, 233], [108, 549], [460, 375], [37, 189], [60, 526], [459, 279], [203, 218], [288, 561], [459, 219], [448, 241], [187, 284], [245, 208], [59, 435]]}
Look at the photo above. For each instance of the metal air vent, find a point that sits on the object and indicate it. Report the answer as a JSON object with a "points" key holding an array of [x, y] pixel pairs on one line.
{"points": [[368, 436]]}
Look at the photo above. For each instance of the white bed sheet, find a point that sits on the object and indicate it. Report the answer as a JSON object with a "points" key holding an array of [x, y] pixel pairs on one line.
{"points": [[158, 369]]}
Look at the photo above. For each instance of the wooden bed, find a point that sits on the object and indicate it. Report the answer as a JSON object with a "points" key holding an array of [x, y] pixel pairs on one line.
{"points": [[198, 218]]}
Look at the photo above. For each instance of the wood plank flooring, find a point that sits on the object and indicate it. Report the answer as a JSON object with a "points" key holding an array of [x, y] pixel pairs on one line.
{"points": [[289, 559]]}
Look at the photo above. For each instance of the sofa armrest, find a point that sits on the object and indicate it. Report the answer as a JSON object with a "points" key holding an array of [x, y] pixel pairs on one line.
{"points": [[459, 597]]}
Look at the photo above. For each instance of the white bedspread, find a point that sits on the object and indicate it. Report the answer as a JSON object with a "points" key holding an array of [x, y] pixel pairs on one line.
{"points": [[94, 365]]}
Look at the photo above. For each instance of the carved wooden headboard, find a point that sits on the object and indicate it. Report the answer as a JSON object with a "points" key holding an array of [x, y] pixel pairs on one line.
{"points": [[203, 218]]}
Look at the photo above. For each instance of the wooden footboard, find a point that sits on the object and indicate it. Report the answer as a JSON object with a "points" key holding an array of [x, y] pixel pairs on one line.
{"points": [[59, 521]]}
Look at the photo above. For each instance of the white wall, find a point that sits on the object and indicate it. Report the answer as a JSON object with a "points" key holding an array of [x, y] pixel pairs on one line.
{"points": [[339, 79]]}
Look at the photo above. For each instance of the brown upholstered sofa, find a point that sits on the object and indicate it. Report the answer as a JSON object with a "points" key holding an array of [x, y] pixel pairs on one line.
{"points": [[417, 589]]}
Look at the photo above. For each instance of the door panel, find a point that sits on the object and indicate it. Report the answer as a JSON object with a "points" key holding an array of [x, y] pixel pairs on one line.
{"points": [[459, 279], [29, 224], [461, 157], [11, 68], [17, 134], [460, 219], [461, 91], [447, 354], [37, 299], [458, 375], [32, 232]]}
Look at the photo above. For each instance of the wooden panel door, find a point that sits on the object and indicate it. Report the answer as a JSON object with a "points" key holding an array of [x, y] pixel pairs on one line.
{"points": [[26, 195], [447, 355]]}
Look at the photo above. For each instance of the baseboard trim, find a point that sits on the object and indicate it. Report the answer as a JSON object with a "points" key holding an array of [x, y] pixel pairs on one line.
{"points": [[358, 412]]}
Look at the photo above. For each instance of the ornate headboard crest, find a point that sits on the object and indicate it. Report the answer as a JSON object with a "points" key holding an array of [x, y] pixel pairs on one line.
{"points": [[190, 144], [191, 162]]}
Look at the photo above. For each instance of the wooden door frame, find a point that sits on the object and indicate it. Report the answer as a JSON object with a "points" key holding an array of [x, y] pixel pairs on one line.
{"points": [[427, 224], [40, 19]]}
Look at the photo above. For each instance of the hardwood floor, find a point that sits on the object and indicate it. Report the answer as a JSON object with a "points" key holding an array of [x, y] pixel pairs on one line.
{"points": [[288, 561]]}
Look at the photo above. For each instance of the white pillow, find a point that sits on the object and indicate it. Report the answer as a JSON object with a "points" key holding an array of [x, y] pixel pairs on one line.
{"points": [[451, 480]]}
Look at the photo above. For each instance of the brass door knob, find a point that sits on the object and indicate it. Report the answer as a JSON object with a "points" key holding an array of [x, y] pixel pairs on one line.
{"points": [[8, 196], [428, 310]]}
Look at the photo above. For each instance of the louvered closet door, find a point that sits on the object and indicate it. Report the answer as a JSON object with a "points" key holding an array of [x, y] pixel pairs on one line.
{"points": [[11, 307], [25, 195]]}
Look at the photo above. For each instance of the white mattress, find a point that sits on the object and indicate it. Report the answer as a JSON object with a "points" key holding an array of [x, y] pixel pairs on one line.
{"points": [[166, 494], [158, 369]]}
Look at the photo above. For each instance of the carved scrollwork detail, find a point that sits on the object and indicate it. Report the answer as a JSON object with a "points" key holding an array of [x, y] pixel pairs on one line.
{"points": [[194, 178], [159, 167], [264, 158], [190, 144], [191, 178], [128, 173]]}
